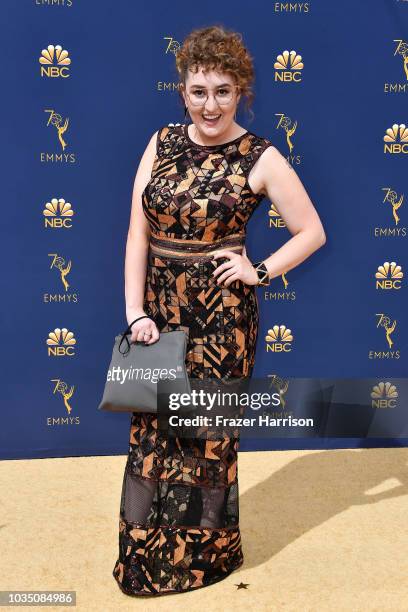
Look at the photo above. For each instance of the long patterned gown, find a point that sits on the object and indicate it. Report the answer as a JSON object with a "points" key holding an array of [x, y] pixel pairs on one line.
{"points": [[178, 521]]}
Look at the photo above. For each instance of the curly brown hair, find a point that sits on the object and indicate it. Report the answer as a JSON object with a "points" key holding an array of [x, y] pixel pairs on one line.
{"points": [[216, 48]]}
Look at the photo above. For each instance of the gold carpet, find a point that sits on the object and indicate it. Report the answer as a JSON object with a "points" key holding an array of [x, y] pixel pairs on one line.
{"points": [[321, 530]]}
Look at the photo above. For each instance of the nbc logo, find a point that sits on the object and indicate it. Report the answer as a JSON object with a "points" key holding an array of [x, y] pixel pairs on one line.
{"points": [[275, 219], [288, 67], [61, 343], [384, 395], [54, 62], [388, 276], [58, 213], [279, 339], [396, 139]]}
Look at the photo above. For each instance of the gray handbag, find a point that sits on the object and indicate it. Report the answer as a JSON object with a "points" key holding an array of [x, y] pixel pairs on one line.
{"points": [[133, 375]]}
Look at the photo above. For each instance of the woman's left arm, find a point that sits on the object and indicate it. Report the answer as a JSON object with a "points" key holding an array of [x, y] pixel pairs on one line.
{"points": [[280, 183], [282, 186]]}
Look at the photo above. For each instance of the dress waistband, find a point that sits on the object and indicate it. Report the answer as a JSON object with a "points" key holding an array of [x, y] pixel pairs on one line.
{"points": [[180, 248]]}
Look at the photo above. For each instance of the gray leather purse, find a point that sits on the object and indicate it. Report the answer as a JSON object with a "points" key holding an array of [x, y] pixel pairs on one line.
{"points": [[133, 375]]}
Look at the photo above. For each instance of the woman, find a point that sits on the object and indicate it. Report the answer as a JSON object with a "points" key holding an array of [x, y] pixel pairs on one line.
{"points": [[186, 268]]}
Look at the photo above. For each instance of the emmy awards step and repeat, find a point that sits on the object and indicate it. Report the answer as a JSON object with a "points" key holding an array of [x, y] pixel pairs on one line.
{"points": [[85, 85]]}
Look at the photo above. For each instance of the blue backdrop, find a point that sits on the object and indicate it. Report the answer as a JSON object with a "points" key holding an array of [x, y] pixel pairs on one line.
{"points": [[74, 128]]}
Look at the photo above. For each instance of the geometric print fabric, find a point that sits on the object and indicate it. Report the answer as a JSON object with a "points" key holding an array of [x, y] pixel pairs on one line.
{"points": [[179, 513]]}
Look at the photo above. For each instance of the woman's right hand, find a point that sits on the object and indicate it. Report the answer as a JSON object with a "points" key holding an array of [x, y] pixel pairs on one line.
{"points": [[142, 327]]}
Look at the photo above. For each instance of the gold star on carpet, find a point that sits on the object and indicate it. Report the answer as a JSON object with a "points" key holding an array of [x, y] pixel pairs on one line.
{"points": [[242, 585]]}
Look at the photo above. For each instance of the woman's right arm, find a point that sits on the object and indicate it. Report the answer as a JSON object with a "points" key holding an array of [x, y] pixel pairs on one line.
{"points": [[137, 247]]}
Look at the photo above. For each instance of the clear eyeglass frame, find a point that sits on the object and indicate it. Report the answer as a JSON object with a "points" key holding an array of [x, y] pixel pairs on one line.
{"points": [[221, 101]]}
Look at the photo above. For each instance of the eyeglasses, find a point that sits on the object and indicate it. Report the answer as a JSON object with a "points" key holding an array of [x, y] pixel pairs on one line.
{"points": [[199, 96]]}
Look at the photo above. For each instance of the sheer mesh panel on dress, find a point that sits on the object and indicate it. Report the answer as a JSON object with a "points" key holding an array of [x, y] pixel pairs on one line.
{"points": [[137, 497], [154, 503]]}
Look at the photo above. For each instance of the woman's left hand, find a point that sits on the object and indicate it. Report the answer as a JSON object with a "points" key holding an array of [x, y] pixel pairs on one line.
{"points": [[238, 267]]}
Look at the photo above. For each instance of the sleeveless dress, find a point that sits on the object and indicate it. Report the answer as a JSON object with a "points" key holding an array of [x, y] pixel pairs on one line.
{"points": [[179, 520]]}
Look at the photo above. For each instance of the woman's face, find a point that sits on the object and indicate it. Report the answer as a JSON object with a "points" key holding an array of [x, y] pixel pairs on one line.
{"points": [[213, 83]]}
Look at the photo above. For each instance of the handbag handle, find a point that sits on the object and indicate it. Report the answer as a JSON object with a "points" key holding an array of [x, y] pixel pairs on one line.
{"points": [[129, 331]]}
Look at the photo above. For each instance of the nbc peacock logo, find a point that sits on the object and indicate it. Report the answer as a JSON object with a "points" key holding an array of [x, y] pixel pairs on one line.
{"points": [[275, 219], [288, 67], [54, 62], [396, 139], [61, 343], [279, 339], [388, 276], [58, 214], [384, 395]]}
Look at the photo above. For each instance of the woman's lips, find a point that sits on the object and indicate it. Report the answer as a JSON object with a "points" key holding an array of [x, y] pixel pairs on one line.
{"points": [[211, 121]]}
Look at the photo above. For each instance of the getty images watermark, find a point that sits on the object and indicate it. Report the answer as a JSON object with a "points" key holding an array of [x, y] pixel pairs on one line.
{"points": [[221, 400], [234, 407], [279, 407]]}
